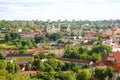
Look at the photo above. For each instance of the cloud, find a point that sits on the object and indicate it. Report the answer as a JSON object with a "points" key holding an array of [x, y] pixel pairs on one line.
{"points": [[27, 1], [59, 9]]}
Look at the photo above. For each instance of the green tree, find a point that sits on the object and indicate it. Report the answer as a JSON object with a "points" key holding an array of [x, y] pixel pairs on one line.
{"points": [[41, 66], [55, 36], [100, 73], [17, 76], [10, 68], [84, 74], [60, 65], [13, 67], [2, 56], [7, 37], [65, 76], [2, 78], [51, 55], [83, 33], [12, 36], [39, 39], [101, 48], [95, 57], [36, 64], [24, 43], [24, 47], [16, 66], [101, 36], [31, 44], [44, 76], [52, 62], [42, 56], [27, 67], [82, 50], [118, 78], [48, 68], [22, 52], [3, 64], [72, 52], [110, 72], [84, 56], [15, 35], [3, 73], [60, 42]]}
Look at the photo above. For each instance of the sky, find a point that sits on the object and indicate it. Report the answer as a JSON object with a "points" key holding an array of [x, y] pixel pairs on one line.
{"points": [[59, 9]]}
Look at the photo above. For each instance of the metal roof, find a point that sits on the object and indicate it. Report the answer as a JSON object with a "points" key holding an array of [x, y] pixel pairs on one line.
{"points": [[19, 55]]}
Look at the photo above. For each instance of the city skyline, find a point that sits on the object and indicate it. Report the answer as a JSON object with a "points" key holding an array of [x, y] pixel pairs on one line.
{"points": [[59, 9]]}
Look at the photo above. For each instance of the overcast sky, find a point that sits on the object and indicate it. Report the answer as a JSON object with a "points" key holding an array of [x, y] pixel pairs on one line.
{"points": [[59, 9]]}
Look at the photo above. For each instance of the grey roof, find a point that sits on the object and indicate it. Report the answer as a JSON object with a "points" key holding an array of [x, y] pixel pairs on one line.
{"points": [[19, 55]]}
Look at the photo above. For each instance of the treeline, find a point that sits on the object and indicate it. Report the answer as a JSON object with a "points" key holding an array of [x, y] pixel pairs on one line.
{"points": [[14, 41], [31, 25], [81, 52]]}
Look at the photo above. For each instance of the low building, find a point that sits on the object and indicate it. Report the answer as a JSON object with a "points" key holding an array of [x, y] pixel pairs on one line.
{"points": [[30, 73], [112, 60], [76, 61], [15, 29], [21, 58]]}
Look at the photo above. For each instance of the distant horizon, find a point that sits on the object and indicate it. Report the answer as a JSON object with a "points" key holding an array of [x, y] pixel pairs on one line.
{"points": [[55, 20], [54, 10]]}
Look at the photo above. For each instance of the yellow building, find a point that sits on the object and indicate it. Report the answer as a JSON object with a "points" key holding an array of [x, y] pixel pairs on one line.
{"points": [[20, 58]]}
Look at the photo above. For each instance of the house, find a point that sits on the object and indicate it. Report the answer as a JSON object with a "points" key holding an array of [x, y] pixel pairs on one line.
{"points": [[30, 73], [27, 35], [15, 29], [110, 31], [31, 35], [3, 31], [37, 32], [108, 41], [112, 60], [92, 33], [114, 56], [105, 64], [20, 58]]}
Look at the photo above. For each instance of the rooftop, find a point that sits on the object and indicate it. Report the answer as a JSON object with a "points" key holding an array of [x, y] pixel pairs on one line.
{"points": [[18, 55], [116, 56], [74, 60], [103, 63], [29, 72], [115, 66]]}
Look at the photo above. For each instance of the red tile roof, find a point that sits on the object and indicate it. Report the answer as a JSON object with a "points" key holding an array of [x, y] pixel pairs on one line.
{"points": [[108, 37], [115, 66], [103, 63], [29, 72], [74, 60], [9, 51], [32, 51], [116, 56], [37, 51], [93, 79]]}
